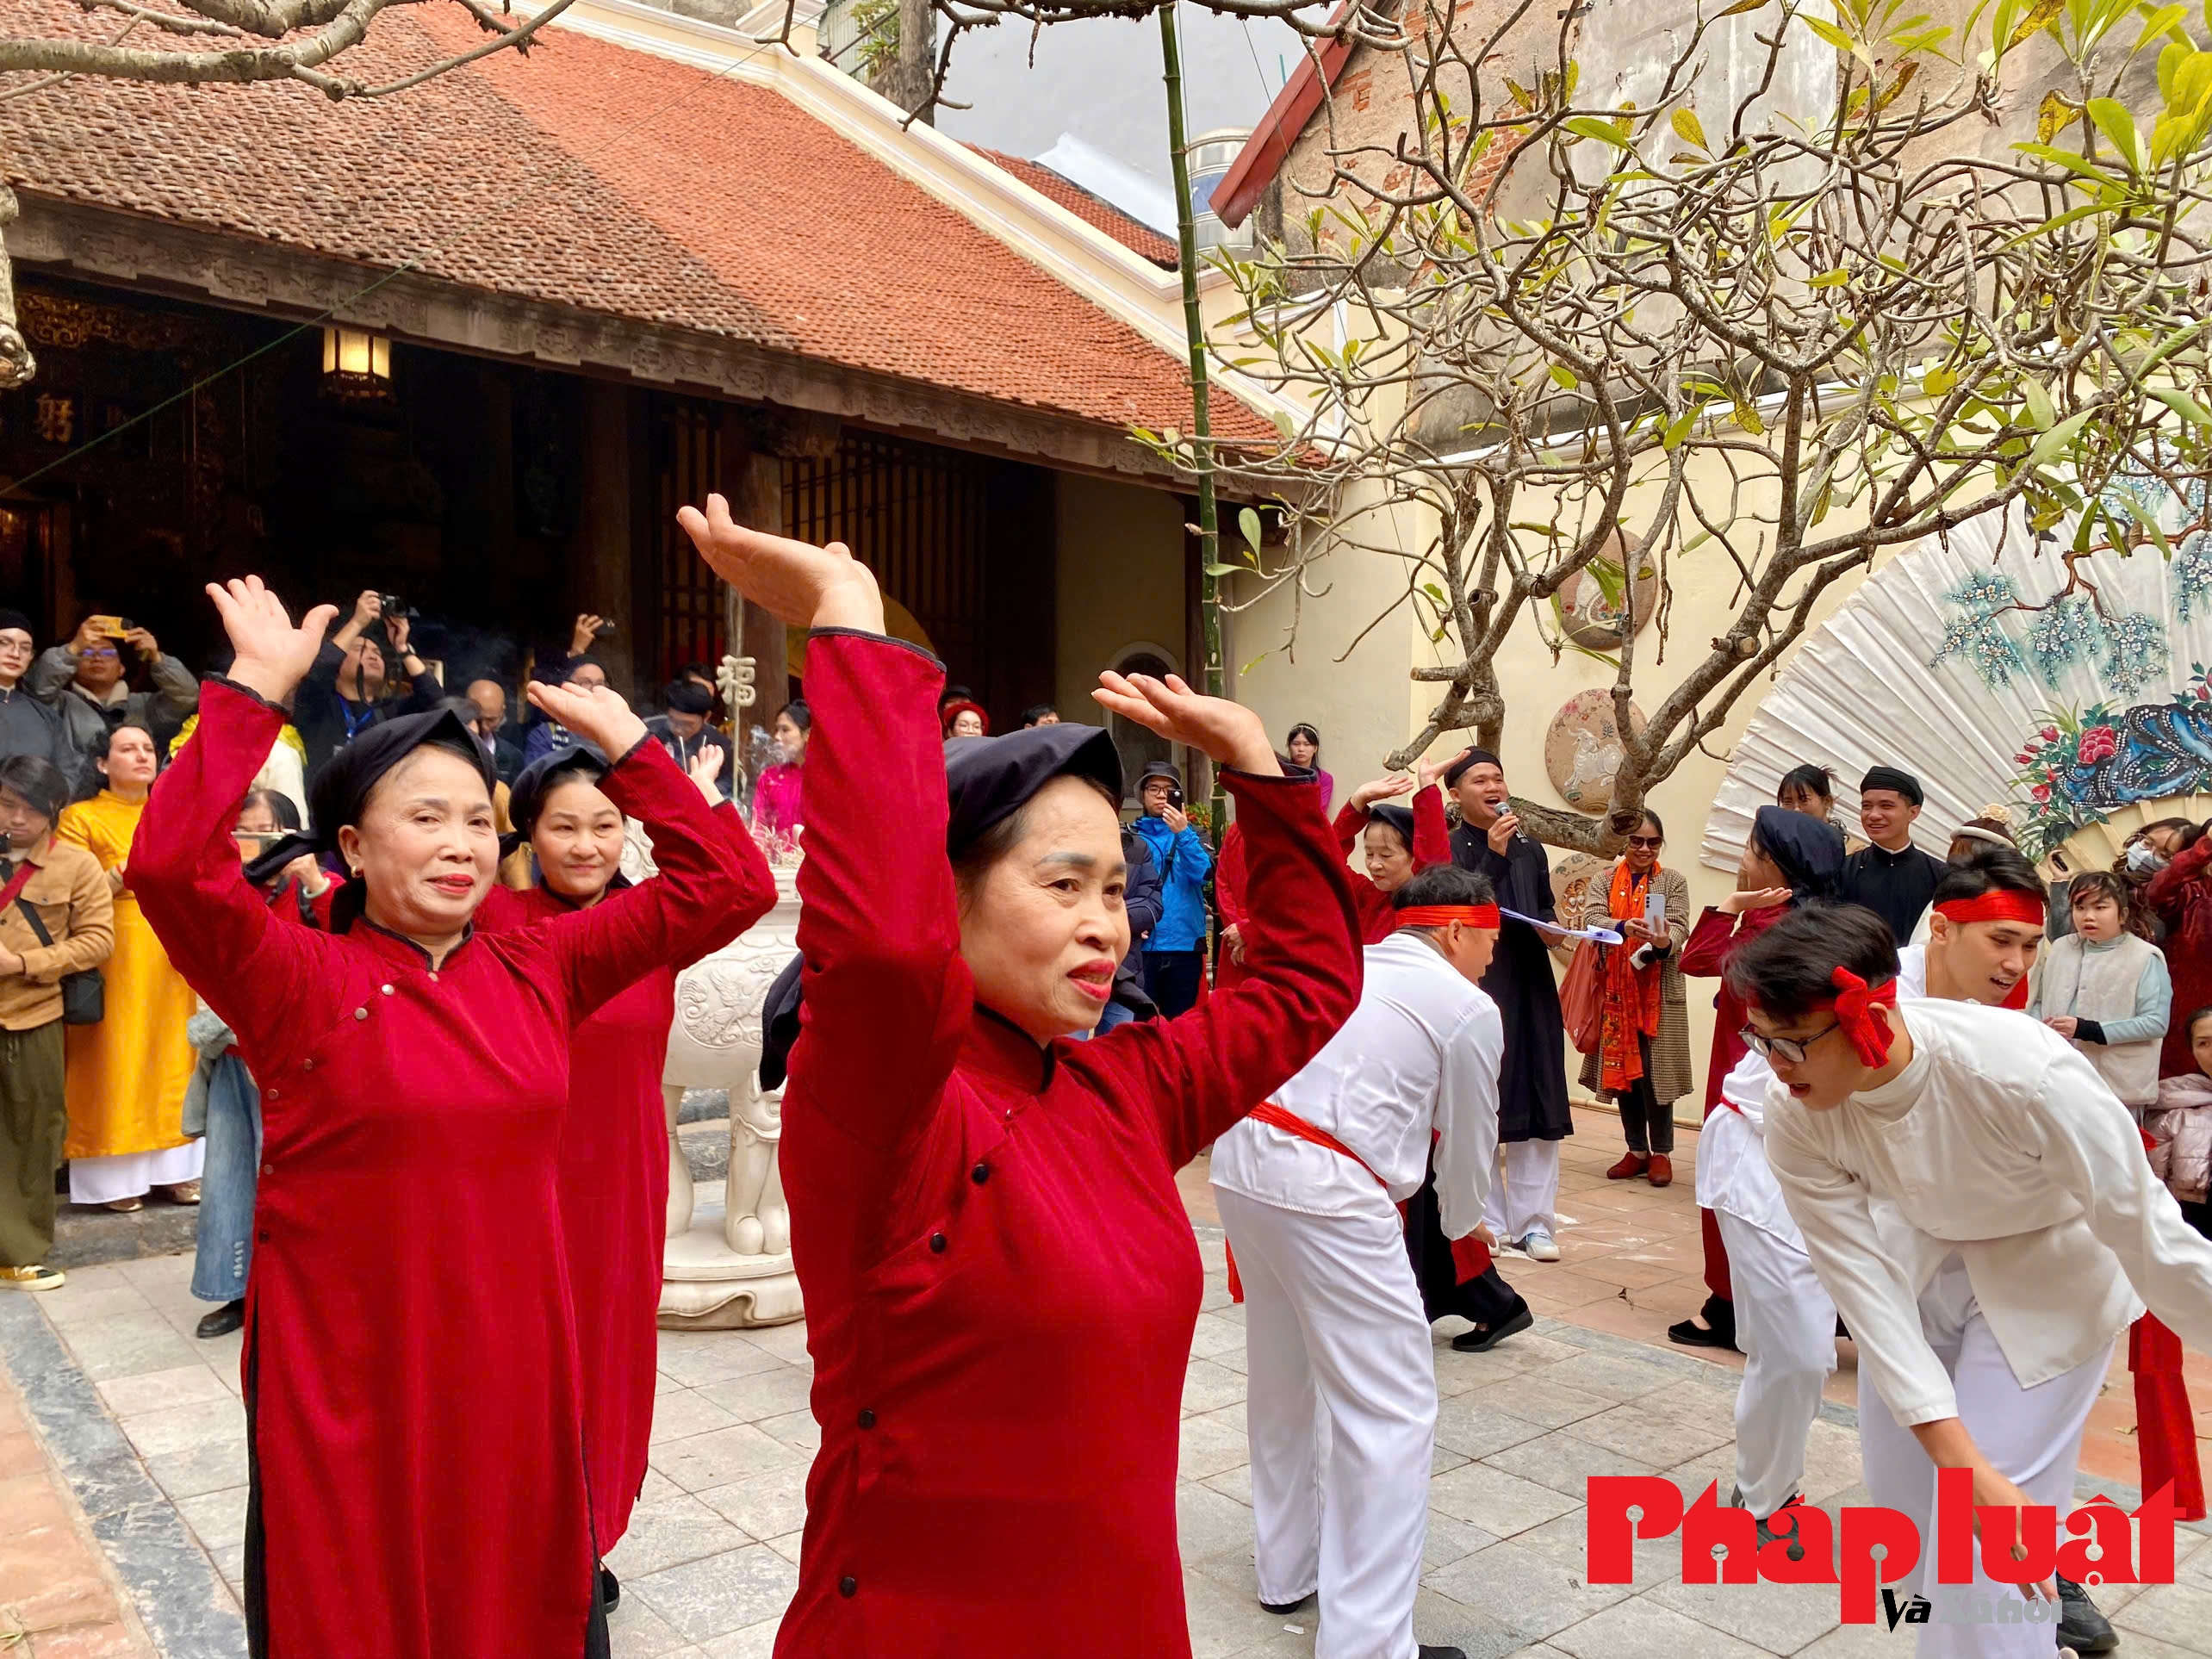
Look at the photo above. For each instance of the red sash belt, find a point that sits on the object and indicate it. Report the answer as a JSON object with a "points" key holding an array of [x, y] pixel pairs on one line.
{"points": [[1463, 1250]]}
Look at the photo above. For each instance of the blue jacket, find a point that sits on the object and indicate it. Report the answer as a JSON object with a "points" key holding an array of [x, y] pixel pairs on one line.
{"points": [[1184, 863]]}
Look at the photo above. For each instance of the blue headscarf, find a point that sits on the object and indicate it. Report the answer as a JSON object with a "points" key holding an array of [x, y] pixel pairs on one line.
{"points": [[1808, 852]]}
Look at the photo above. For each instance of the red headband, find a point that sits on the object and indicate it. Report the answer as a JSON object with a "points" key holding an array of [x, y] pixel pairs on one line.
{"points": [[1438, 916], [1998, 905], [1853, 998]]}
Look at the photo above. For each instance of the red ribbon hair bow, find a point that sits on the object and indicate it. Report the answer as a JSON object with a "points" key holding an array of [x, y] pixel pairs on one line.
{"points": [[1854, 999]]}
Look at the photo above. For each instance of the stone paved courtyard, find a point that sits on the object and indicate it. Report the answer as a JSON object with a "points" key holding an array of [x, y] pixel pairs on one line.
{"points": [[141, 1423]]}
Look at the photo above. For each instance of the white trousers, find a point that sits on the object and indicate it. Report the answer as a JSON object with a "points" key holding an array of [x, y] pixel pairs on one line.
{"points": [[1340, 1412], [2033, 1436], [1522, 1198], [1785, 1326], [133, 1175]]}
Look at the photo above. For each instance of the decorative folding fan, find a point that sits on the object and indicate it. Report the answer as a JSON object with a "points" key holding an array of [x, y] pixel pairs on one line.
{"points": [[1977, 664]]}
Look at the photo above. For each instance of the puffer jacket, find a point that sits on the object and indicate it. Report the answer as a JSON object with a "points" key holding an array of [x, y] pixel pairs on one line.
{"points": [[2180, 1128]]}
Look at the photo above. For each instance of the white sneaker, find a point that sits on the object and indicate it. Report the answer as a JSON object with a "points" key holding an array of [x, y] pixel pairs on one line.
{"points": [[1540, 1246]]}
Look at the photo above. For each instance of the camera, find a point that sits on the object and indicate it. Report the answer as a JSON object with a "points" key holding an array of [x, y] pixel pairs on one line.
{"points": [[393, 605], [604, 630]]}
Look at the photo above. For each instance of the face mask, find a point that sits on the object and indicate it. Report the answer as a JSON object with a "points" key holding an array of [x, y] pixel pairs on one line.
{"points": [[2143, 859]]}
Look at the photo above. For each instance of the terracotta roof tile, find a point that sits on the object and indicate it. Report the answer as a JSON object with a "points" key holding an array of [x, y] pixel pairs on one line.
{"points": [[590, 176], [1094, 210]]}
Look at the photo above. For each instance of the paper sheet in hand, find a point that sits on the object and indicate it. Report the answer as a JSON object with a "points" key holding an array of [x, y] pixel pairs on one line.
{"points": [[1596, 936]]}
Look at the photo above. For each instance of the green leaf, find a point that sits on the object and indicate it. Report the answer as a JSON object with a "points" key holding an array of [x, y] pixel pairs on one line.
{"points": [[1746, 417], [2149, 524], [1671, 439], [1228, 569], [2053, 443], [2055, 115], [1828, 32], [1284, 425], [1738, 9], [1563, 378], [1590, 127], [2113, 120], [1688, 128], [1835, 279], [2182, 404], [1248, 522], [2042, 412]]}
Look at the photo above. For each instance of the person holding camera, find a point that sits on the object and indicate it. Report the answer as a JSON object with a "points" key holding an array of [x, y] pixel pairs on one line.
{"points": [[352, 686], [63, 887], [1175, 956], [128, 1069], [85, 681]]}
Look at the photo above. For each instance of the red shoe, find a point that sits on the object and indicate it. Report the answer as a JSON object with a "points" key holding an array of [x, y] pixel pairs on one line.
{"points": [[1662, 1170], [1630, 1166]]}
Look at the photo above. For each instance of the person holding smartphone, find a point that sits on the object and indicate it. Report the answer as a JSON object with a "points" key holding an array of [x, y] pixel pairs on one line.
{"points": [[85, 681], [1642, 1061], [1175, 956]]}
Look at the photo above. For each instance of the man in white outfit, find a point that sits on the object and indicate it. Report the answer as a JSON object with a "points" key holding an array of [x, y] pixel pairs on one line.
{"points": [[1785, 1322], [1340, 1405], [1976, 1202]]}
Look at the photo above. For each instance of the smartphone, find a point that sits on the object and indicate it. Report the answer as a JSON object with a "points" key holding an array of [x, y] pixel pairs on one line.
{"points": [[112, 627], [1655, 910], [1174, 797]]}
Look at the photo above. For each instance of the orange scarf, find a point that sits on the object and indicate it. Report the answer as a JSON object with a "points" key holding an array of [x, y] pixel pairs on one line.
{"points": [[1632, 993]]}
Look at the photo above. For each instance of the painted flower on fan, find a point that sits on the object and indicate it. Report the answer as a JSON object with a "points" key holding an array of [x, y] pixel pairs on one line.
{"points": [[2097, 743], [2049, 734], [2040, 793]]}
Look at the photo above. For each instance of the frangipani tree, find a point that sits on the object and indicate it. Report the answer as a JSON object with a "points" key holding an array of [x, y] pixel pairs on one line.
{"points": [[1835, 278]]}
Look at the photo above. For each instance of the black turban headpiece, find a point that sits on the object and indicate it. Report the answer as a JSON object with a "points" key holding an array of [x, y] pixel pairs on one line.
{"points": [[527, 794], [1806, 850], [1473, 757], [987, 780], [342, 788], [1888, 777], [1400, 818], [991, 779]]}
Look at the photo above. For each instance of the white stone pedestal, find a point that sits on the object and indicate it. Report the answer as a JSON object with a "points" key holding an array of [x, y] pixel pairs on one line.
{"points": [[727, 1262]]}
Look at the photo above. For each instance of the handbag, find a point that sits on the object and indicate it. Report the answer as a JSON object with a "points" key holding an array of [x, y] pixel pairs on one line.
{"points": [[1582, 996], [83, 993]]}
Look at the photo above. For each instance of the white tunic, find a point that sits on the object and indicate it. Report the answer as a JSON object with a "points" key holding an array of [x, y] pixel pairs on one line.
{"points": [[1419, 1055], [1999, 1142], [1732, 1174]]}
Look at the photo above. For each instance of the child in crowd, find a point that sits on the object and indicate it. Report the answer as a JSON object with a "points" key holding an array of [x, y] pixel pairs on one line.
{"points": [[2105, 989], [2180, 1127]]}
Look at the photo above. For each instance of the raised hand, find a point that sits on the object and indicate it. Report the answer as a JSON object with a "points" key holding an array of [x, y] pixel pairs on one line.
{"points": [[1381, 789], [706, 772], [585, 634], [396, 630], [1756, 899], [597, 714], [1432, 772], [368, 605], [1502, 832], [143, 643], [1226, 733], [272, 655], [806, 585]]}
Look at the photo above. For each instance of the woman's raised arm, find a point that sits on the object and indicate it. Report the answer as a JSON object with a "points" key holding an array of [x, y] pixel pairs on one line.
{"points": [[887, 999], [254, 970]]}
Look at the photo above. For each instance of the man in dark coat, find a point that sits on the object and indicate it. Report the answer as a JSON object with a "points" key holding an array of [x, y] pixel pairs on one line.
{"points": [[1892, 877], [27, 725], [1533, 1112]]}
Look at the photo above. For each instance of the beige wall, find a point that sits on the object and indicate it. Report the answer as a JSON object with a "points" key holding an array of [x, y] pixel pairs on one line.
{"points": [[1120, 581]]}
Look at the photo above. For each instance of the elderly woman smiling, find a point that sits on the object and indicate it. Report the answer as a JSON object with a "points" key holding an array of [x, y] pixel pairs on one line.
{"points": [[1000, 1281], [416, 1447]]}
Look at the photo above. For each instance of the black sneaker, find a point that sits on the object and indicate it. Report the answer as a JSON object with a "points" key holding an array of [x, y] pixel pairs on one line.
{"points": [[2081, 1627], [1428, 1651], [610, 1590], [1278, 1608], [222, 1322]]}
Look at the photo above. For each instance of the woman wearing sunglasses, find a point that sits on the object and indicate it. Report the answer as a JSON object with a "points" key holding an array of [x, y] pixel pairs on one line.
{"points": [[1642, 1061]]}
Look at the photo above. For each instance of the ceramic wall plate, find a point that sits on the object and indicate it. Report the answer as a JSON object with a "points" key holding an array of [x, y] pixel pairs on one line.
{"points": [[1590, 618], [1583, 749]]}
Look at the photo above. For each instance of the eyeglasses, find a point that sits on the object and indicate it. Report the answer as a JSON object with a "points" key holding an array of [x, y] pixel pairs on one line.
{"points": [[98, 650], [1651, 841], [1789, 1050]]}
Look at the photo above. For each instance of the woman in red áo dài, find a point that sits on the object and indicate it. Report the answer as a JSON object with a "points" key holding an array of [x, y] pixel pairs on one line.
{"points": [[1001, 1280], [415, 1444]]}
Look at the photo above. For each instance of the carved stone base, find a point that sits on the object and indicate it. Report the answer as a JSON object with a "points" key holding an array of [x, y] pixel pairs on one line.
{"points": [[707, 1286]]}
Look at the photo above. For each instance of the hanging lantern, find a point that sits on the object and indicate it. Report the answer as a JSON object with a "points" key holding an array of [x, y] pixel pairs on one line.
{"points": [[355, 362]]}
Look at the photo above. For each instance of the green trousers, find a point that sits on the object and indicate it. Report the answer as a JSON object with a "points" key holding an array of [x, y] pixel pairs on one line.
{"points": [[34, 1121]]}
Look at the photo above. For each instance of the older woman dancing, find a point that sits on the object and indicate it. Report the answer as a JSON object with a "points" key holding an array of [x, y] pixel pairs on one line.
{"points": [[1000, 1281], [414, 1440]]}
